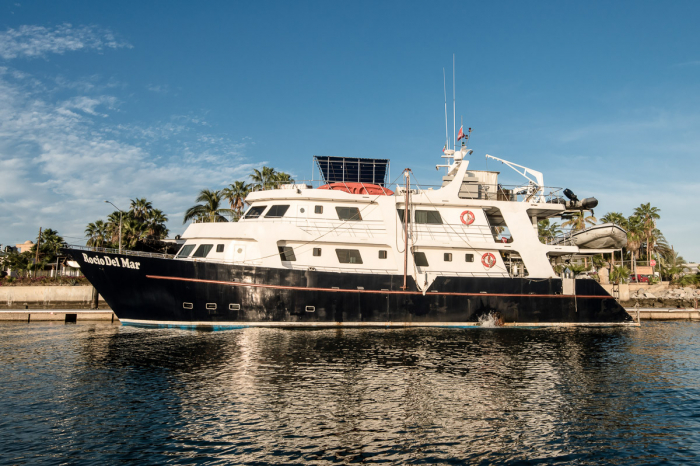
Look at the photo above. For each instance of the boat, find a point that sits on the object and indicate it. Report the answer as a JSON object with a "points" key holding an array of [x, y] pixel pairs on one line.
{"points": [[347, 254], [604, 236]]}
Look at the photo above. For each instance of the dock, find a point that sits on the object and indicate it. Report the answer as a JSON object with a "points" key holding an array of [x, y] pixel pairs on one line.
{"points": [[651, 313]]}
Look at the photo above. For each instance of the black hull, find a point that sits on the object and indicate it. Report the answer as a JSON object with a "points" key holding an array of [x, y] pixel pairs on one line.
{"points": [[159, 291]]}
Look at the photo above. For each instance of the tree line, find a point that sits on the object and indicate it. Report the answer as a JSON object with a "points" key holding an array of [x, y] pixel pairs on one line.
{"points": [[142, 228], [50, 243]]}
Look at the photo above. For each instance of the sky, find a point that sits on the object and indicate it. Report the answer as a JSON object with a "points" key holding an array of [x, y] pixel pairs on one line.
{"points": [[123, 100]]}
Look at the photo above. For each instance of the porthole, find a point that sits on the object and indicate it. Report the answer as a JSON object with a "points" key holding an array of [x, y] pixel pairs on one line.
{"points": [[211, 306], [302, 210], [310, 308], [187, 305], [234, 307], [240, 250]]}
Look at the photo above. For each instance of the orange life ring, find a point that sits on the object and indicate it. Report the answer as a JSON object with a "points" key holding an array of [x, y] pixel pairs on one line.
{"points": [[488, 260], [470, 217]]}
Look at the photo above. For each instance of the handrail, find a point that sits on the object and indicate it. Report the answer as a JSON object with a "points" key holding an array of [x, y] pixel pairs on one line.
{"points": [[116, 251]]}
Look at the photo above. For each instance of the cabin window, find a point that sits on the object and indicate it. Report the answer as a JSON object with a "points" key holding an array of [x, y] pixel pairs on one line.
{"points": [[348, 213], [219, 248], [349, 256], [400, 212], [382, 254], [317, 252], [428, 216], [469, 257], [448, 257], [318, 209], [254, 212], [276, 211], [286, 253], [420, 259], [186, 250], [203, 250]]}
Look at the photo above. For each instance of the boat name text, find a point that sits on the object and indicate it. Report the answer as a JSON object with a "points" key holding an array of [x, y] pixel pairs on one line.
{"points": [[125, 262]]}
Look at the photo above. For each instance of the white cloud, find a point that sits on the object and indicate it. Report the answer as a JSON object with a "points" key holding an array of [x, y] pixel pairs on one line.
{"points": [[38, 41], [60, 158]]}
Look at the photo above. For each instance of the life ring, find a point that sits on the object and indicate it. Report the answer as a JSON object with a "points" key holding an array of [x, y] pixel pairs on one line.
{"points": [[504, 239], [470, 217], [488, 260]]}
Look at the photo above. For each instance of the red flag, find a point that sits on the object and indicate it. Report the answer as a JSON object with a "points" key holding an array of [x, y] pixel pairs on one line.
{"points": [[444, 149], [460, 135]]}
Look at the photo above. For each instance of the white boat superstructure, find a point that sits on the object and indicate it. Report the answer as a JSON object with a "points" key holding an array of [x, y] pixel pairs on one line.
{"points": [[454, 230]]}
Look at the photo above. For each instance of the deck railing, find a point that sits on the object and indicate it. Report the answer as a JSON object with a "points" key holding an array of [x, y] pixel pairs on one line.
{"points": [[124, 252]]}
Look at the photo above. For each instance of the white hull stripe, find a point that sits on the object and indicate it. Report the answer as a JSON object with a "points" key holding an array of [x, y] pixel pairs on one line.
{"points": [[338, 290], [233, 325]]}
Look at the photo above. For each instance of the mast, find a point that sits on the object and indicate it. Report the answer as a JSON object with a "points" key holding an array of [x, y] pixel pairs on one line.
{"points": [[454, 121], [406, 214]]}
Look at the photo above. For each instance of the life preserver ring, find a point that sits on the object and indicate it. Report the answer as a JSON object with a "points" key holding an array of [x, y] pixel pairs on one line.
{"points": [[470, 217], [504, 239], [488, 260]]}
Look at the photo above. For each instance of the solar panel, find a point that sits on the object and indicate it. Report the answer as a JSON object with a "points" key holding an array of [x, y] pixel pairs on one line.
{"points": [[353, 169]]}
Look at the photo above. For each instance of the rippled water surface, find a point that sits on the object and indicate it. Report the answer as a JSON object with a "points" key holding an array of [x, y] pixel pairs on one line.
{"points": [[101, 393]]}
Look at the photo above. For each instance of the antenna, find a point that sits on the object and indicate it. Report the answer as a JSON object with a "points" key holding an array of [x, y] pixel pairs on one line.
{"points": [[444, 89], [454, 122]]}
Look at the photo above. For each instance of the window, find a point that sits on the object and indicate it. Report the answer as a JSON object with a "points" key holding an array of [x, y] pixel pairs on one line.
{"points": [[400, 212], [317, 252], [219, 248], [318, 209], [186, 250], [421, 260], [469, 257], [382, 254], [349, 256], [348, 213], [286, 253], [276, 211], [448, 257], [254, 212], [428, 216], [203, 250]]}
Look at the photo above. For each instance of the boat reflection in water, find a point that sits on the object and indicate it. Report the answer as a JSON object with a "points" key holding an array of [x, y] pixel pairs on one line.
{"points": [[415, 395]]}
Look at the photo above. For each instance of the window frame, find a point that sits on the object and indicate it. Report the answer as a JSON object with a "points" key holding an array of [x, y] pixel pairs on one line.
{"points": [[383, 252], [284, 207], [420, 259], [348, 254], [285, 252], [318, 209], [189, 251], [319, 252], [447, 256], [352, 218], [220, 247], [430, 217], [468, 257], [256, 207], [202, 247]]}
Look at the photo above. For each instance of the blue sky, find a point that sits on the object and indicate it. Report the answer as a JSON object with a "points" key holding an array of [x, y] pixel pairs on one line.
{"points": [[118, 100]]}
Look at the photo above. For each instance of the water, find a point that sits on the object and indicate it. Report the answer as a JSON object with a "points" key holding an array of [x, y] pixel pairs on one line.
{"points": [[105, 394]]}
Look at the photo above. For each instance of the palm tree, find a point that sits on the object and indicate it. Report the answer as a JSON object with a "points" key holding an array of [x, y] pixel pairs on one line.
{"points": [[133, 232], [578, 221], [155, 223], [96, 233], [235, 194], [648, 216], [615, 218], [140, 208], [282, 178], [263, 179], [619, 274], [634, 240], [547, 232], [210, 208]]}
